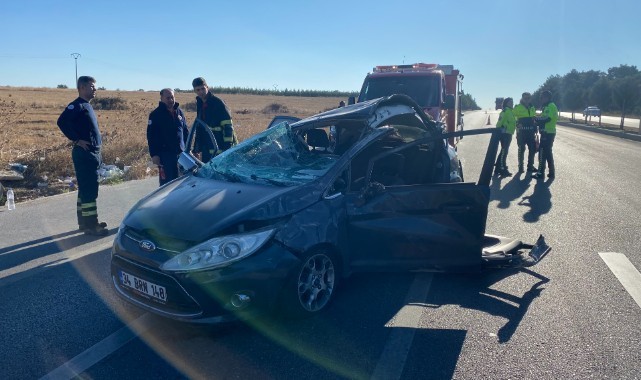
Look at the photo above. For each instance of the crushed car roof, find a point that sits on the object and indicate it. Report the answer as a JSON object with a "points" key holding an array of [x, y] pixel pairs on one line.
{"points": [[364, 110]]}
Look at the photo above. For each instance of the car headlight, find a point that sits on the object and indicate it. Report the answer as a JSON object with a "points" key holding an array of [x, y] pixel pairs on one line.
{"points": [[219, 251]]}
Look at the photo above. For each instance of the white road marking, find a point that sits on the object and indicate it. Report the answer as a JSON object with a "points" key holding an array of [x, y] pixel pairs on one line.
{"points": [[100, 350], [625, 271], [392, 360]]}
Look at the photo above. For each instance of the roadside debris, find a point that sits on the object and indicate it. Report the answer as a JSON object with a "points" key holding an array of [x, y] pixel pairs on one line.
{"points": [[109, 172], [15, 172]]}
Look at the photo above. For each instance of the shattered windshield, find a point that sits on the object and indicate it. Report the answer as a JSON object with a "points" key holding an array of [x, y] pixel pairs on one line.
{"points": [[277, 157]]}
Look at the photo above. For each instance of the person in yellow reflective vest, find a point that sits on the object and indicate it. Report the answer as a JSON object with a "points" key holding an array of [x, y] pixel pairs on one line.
{"points": [[507, 121], [547, 127], [526, 131]]}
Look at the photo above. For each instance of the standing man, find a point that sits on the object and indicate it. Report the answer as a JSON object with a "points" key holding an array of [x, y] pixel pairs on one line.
{"points": [[547, 126], [79, 124], [166, 135], [507, 121], [524, 112], [213, 112]]}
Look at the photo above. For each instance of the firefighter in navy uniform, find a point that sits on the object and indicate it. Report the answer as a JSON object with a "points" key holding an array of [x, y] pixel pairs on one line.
{"points": [[524, 112], [213, 112], [79, 124], [166, 135]]}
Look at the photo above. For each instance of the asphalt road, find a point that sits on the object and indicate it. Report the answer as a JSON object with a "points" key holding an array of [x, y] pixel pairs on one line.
{"points": [[573, 316]]}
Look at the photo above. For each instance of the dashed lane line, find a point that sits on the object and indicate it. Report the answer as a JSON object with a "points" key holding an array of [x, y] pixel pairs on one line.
{"points": [[100, 350], [404, 324], [625, 272]]}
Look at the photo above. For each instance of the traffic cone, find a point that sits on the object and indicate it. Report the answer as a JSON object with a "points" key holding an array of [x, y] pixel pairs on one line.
{"points": [[488, 120]]}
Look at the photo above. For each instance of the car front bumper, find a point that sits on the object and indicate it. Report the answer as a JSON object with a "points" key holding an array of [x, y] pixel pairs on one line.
{"points": [[238, 291]]}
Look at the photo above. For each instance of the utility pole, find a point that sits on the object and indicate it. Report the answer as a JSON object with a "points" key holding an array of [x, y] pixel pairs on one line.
{"points": [[75, 57]]}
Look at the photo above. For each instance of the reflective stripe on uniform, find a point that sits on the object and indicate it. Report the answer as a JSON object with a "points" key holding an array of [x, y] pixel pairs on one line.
{"points": [[225, 122], [228, 138], [216, 129], [89, 209]]}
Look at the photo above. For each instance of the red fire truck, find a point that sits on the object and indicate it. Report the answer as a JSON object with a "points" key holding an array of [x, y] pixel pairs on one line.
{"points": [[436, 88]]}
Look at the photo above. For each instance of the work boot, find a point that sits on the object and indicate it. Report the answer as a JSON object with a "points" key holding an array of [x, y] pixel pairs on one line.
{"points": [[96, 230], [531, 169], [101, 224]]}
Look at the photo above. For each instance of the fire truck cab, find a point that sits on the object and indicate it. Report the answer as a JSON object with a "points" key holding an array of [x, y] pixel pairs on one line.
{"points": [[436, 88]]}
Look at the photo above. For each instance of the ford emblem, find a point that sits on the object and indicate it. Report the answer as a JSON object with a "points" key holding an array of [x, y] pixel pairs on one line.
{"points": [[147, 245]]}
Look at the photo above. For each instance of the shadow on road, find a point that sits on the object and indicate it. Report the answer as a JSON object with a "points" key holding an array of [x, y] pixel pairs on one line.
{"points": [[345, 341], [540, 202], [475, 292], [19, 254], [513, 189]]}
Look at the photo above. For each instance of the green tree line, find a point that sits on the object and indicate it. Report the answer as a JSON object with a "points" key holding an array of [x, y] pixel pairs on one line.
{"points": [[468, 102], [617, 91]]}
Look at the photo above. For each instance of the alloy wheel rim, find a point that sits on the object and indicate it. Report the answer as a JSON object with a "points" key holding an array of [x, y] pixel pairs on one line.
{"points": [[316, 282]]}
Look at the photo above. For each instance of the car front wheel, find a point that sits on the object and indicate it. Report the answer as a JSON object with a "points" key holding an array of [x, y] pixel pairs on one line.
{"points": [[313, 284]]}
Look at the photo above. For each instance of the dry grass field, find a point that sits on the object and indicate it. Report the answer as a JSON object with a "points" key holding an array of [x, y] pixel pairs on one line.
{"points": [[29, 134]]}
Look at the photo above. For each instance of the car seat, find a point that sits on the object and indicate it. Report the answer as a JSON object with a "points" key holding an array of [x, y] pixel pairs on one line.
{"points": [[389, 170], [317, 139]]}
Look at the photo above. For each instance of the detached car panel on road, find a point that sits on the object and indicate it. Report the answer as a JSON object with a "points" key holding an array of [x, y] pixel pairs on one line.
{"points": [[283, 216]]}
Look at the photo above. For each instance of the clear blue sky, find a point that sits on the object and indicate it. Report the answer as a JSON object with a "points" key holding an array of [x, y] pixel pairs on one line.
{"points": [[502, 47]]}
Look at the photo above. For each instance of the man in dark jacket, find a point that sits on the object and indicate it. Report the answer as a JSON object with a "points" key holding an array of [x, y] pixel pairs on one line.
{"points": [[213, 112], [79, 124], [166, 135]]}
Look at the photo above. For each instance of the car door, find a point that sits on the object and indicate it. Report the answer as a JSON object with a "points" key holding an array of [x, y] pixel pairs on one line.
{"points": [[430, 226]]}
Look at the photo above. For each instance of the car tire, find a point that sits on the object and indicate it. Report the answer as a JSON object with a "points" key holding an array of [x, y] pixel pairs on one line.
{"points": [[312, 285]]}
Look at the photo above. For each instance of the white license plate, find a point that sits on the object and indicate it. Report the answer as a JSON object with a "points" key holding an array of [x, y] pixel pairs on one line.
{"points": [[156, 291]]}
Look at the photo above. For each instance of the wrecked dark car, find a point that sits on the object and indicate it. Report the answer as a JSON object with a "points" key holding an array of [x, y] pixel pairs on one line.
{"points": [[281, 218]]}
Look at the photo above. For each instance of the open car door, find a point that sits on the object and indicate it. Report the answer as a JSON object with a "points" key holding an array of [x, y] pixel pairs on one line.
{"points": [[396, 224]]}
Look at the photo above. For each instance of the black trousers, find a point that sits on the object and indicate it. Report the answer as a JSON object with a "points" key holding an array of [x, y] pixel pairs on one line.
{"points": [[501, 160], [545, 152], [86, 165], [169, 162], [526, 138]]}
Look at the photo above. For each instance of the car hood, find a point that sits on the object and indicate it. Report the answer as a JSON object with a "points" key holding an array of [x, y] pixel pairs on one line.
{"points": [[195, 209]]}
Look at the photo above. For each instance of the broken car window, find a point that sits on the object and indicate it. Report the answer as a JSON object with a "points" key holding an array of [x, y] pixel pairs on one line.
{"points": [[278, 157]]}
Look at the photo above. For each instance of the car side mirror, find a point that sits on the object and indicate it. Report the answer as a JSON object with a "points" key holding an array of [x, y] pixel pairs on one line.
{"points": [[340, 185], [351, 100], [186, 162], [450, 102]]}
